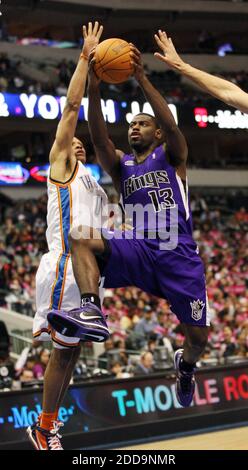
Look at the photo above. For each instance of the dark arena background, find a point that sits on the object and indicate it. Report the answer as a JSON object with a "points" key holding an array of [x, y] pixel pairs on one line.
{"points": [[116, 401]]}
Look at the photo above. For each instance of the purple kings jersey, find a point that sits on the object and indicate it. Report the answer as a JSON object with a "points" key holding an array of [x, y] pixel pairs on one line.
{"points": [[155, 195]]}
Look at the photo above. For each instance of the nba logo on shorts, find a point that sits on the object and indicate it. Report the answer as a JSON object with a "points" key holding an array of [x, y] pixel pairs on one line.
{"points": [[197, 308]]}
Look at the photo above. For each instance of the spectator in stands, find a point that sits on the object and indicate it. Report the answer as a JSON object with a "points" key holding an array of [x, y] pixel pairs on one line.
{"points": [[64, 72], [7, 372], [80, 369], [152, 344], [161, 328], [198, 205], [177, 341], [103, 358], [242, 215], [242, 344], [118, 371], [130, 319], [40, 368], [145, 365], [3, 84], [146, 326], [18, 83], [4, 339], [27, 373], [120, 346], [228, 346]]}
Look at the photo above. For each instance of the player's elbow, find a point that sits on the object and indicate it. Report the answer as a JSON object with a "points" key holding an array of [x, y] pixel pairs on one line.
{"points": [[172, 127], [238, 99], [72, 105]]}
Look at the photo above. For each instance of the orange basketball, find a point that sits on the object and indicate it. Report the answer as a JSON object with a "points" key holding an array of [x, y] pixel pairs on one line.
{"points": [[112, 61]]}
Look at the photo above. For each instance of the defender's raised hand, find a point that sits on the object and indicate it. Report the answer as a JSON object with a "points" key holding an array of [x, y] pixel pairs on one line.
{"points": [[170, 55], [91, 35]]}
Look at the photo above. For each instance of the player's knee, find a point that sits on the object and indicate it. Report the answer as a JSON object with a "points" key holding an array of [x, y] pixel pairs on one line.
{"points": [[67, 355], [198, 338], [74, 241]]}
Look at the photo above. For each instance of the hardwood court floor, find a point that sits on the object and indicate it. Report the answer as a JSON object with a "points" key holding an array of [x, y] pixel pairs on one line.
{"points": [[231, 439]]}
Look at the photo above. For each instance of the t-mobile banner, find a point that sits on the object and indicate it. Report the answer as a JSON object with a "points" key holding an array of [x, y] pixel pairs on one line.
{"points": [[113, 404]]}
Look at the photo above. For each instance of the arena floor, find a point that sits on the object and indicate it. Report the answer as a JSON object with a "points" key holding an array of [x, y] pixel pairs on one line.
{"points": [[231, 439]]}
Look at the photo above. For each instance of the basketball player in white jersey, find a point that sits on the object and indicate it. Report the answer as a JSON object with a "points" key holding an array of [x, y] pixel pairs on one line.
{"points": [[221, 89], [73, 197]]}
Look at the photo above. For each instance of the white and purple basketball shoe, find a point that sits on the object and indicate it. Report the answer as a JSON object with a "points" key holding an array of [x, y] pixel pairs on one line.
{"points": [[87, 323]]}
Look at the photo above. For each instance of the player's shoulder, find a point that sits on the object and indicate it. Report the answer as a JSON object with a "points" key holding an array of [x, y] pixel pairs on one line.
{"points": [[125, 156]]}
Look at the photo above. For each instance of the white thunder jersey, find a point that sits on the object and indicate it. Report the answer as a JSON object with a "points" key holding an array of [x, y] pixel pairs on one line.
{"points": [[80, 201]]}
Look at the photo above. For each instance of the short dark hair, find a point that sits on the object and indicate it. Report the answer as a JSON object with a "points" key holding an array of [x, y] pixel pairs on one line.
{"points": [[157, 124]]}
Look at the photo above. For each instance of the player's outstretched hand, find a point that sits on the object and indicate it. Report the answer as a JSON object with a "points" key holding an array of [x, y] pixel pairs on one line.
{"points": [[91, 35], [136, 62], [170, 55]]}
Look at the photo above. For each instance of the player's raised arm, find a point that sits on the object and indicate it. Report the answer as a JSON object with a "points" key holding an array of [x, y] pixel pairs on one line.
{"points": [[61, 148], [175, 141], [218, 87], [106, 152]]}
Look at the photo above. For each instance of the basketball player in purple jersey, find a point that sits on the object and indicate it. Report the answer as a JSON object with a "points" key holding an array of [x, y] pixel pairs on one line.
{"points": [[153, 174]]}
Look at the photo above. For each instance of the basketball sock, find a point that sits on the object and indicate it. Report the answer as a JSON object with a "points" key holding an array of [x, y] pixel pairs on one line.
{"points": [[47, 420], [92, 298], [186, 366]]}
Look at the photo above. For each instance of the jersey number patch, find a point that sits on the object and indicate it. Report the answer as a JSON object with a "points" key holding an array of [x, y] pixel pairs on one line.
{"points": [[162, 199]]}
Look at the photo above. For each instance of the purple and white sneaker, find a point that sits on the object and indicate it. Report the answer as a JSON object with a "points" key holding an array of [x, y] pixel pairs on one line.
{"points": [[185, 382], [87, 323]]}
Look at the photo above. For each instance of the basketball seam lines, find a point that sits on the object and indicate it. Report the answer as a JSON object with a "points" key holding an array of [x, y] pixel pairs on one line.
{"points": [[106, 63], [112, 77], [108, 49]]}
